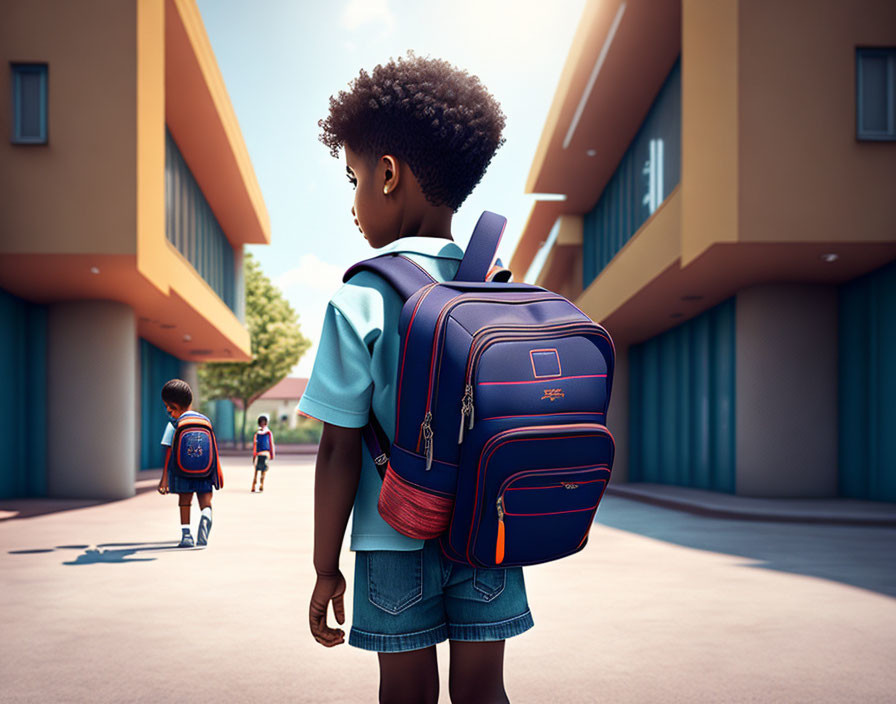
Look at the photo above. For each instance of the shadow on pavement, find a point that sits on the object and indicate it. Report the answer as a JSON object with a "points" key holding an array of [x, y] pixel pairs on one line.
{"points": [[29, 508], [95, 555], [854, 555], [101, 553]]}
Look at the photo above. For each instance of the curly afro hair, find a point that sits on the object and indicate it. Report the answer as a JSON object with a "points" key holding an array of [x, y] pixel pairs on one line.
{"points": [[437, 118]]}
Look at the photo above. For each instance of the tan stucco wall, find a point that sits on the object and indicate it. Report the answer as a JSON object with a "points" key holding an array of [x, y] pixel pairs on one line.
{"points": [[709, 125], [152, 253], [652, 250], [803, 174], [77, 193]]}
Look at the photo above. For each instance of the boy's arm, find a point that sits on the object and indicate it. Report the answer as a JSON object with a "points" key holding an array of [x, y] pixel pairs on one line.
{"points": [[163, 482], [336, 478], [272, 445]]}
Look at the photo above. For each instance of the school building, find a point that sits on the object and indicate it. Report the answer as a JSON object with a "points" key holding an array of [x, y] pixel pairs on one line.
{"points": [[723, 200], [280, 402], [127, 197]]}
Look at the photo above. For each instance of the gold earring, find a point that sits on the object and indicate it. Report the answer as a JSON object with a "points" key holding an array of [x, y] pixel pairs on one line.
{"points": [[385, 190]]}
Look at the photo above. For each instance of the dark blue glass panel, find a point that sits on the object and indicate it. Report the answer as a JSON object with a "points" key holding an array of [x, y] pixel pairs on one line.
{"points": [[648, 172], [191, 226]]}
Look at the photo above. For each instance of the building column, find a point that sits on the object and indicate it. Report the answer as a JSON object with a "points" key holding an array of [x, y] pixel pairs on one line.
{"points": [[189, 372], [618, 416], [786, 409], [91, 400]]}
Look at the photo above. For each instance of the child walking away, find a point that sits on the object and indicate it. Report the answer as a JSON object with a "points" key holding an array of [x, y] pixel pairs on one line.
{"points": [[191, 461], [417, 136], [262, 451]]}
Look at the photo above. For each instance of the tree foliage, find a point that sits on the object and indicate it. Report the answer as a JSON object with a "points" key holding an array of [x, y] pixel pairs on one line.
{"points": [[277, 344]]}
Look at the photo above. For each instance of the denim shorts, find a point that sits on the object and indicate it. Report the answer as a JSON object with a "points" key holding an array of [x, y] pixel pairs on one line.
{"points": [[184, 485], [406, 600]]}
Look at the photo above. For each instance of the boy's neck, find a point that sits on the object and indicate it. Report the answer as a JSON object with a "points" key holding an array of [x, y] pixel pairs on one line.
{"points": [[427, 221]]}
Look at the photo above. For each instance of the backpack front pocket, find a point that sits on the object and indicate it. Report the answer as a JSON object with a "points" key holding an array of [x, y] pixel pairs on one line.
{"points": [[194, 452], [537, 489], [546, 513]]}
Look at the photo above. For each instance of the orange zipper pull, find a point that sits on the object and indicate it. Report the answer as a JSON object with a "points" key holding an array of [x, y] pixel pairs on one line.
{"points": [[499, 547]]}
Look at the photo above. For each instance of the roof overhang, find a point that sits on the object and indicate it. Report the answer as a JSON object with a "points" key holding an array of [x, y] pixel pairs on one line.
{"points": [[201, 119], [188, 320], [620, 56]]}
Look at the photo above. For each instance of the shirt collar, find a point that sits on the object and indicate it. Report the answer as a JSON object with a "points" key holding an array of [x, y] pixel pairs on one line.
{"points": [[429, 246]]}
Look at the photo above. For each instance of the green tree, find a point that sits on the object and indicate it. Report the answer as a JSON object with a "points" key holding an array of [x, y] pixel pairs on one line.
{"points": [[276, 345]]}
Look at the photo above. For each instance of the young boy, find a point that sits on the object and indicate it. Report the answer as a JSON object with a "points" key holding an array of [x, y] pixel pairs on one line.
{"points": [[178, 399], [262, 450], [418, 135]]}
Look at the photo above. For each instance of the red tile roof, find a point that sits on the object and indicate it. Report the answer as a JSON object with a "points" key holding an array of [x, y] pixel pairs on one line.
{"points": [[290, 389]]}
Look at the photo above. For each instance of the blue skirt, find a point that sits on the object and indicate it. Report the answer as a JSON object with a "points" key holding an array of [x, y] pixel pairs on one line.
{"points": [[182, 485]]}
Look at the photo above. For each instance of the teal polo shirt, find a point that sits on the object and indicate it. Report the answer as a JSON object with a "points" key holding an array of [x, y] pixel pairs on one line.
{"points": [[356, 368]]}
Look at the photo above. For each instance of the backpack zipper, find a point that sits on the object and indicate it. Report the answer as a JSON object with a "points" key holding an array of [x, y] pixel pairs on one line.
{"points": [[478, 348], [466, 404], [446, 310], [499, 504]]}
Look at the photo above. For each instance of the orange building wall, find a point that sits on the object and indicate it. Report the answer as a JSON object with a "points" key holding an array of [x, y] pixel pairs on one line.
{"points": [[803, 175], [77, 194], [709, 125]]}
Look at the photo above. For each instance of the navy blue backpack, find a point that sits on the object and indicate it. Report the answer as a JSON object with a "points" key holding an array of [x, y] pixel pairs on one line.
{"points": [[500, 447], [194, 450]]}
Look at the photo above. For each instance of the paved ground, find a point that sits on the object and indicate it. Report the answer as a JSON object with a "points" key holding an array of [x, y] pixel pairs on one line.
{"points": [[662, 606]]}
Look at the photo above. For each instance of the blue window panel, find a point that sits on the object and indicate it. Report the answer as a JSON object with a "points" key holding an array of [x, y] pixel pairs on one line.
{"points": [[29, 103], [867, 390], [156, 367], [649, 170], [192, 228], [876, 94], [681, 394], [23, 403]]}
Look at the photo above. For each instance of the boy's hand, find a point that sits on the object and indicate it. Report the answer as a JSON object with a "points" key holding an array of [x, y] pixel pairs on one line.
{"points": [[163, 485], [327, 588]]}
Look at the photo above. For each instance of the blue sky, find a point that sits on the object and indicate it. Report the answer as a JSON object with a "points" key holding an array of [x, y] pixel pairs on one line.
{"points": [[282, 59]]}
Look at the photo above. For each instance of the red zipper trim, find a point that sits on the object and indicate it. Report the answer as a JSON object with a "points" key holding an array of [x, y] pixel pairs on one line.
{"points": [[542, 415], [527, 472], [558, 485], [551, 513], [542, 381]]}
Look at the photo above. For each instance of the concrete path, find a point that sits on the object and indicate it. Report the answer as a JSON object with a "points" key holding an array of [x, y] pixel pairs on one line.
{"points": [[846, 512], [662, 606]]}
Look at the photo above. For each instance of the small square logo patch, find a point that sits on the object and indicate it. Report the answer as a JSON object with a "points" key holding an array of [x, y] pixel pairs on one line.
{"points": [[545, 363]]}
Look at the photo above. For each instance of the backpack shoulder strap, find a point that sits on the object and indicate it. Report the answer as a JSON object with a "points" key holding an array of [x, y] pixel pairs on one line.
{"points": [[406, 277], [480, 252], [401, 273]]}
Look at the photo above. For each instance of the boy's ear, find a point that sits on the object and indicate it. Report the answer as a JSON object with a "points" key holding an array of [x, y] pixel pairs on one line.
{"points": [[391, 173]]}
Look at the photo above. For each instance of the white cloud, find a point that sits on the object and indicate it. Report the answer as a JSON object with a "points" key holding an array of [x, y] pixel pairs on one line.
{"points": [[358, 13], [312, 273]]}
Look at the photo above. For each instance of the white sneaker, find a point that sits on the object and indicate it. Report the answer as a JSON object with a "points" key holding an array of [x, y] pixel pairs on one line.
{"points": [[205, 527]]}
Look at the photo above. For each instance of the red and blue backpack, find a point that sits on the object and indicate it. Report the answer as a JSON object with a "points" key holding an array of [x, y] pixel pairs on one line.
{"points": [[501, 448], [194, 450]]}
